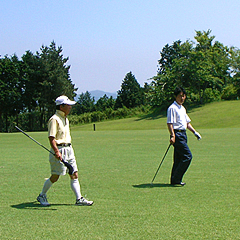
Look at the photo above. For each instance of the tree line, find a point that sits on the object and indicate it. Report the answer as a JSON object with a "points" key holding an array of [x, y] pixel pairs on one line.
{"points": [[28, 87], [207, 69], [130, 95]]}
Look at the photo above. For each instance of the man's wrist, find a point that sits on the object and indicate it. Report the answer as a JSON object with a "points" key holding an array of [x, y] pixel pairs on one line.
{"points": [[56, 151]]}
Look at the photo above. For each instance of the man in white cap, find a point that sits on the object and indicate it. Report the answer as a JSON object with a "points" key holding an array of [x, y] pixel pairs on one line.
{"points": [[60, 141]]}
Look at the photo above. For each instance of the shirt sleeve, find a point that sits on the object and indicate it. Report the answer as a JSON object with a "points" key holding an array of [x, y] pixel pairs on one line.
{"points": [[171, 116], [52, 128], [188, 119]]}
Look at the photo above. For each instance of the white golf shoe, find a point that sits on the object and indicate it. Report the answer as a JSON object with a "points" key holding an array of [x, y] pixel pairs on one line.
{"points": [[43, 200], [83, 202]]}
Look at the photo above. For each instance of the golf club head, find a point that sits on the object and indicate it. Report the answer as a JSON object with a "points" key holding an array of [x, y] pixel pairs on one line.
{"points": [[69, 167]]}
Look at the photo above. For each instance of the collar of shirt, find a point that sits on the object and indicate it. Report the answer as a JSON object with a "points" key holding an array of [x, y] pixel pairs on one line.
{"points": [[179, 106], [61, 113]]}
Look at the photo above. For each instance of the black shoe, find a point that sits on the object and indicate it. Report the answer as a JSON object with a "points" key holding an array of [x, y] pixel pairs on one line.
{"points": [[180, 184]]}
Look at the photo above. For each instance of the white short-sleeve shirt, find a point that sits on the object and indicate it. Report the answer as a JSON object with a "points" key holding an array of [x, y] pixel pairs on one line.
{"points": [[176, 114]]}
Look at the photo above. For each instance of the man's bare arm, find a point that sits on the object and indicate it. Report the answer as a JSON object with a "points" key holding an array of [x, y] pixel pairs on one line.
{"points": [[55, 148], [172, 134]]}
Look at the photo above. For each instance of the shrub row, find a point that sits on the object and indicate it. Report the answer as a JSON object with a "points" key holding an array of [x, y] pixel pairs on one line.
{"points": [[109, 113]]}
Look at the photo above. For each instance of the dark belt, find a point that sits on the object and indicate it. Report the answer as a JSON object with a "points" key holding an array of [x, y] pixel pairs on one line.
{"points": [[179, 130], [64, 145]]}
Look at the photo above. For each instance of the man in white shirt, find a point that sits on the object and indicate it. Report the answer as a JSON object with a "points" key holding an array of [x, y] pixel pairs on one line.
{"points": [[60, 141], [178, 121]]}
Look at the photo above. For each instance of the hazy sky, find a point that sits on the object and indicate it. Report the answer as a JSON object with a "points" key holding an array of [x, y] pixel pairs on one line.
{"points": [[106, 39]]}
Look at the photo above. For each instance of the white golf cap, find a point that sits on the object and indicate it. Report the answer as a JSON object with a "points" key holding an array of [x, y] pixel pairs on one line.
{"points": [[64, 100]]}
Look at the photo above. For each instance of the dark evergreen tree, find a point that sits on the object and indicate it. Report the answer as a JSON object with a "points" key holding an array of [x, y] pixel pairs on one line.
{"points": [[105, 102], [85, 103], [10, 90], [131, 94], [57, 80]]}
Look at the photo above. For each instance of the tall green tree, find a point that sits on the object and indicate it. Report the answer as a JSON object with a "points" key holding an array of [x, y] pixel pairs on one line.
{"points": [[202, 68], [235, 73], [34, 75], [209, 67], [104, 102], [28, 87], [160, 90], [85, 103], [10, 90], [131, 94], [57, 79]]}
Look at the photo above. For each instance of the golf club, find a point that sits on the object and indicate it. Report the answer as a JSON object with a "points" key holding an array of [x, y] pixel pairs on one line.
{"points": [[70, 168], [161, 163]]}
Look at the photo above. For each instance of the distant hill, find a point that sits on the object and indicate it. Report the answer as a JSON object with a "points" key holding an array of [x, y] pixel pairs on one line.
{"points": [[98, 94]]}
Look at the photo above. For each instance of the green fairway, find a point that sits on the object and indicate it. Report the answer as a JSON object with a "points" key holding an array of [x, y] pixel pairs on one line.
{"points": [[214, 115], [115, 169]]}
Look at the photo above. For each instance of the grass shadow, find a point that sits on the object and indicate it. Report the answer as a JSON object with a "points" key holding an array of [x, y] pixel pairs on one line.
{"points": [[150, 117], [161, 112], [153, 185], [156, 113], [36, 206]]}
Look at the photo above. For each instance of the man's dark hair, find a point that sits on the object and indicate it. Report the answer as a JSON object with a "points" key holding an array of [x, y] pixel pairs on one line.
{"points": [[179, 90]]}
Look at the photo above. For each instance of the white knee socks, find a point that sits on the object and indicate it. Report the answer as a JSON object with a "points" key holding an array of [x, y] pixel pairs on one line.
{"points": [[74, 185], [76, 188], [46, 186]]}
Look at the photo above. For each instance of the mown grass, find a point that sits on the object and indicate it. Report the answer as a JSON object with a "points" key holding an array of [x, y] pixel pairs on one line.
{"points": [[116, 168], [214, 115]]}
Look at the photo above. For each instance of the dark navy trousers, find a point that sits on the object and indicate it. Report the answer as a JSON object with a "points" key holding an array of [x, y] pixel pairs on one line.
{"points": [[182, 157]]}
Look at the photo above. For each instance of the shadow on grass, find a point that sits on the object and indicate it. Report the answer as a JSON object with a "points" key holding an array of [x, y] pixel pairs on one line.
{"points": [[36, 206], [160, 112], [153, 185], [155, 114]]}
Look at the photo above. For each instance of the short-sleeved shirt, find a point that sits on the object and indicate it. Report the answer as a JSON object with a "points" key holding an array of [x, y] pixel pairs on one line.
{"points": [[176, 114], [58, 127]]}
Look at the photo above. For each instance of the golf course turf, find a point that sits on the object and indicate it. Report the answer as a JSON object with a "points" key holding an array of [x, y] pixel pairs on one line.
{"points": [[116, 165]]}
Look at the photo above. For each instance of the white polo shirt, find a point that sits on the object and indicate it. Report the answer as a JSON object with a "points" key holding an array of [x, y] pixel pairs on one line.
{"points": [[176, 114]]}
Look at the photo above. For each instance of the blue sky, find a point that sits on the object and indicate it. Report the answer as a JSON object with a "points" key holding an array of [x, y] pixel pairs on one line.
{"points": [[105, 39]]}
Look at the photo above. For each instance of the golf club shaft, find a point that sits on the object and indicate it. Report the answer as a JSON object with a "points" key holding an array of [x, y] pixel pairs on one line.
{"points": [[161, 162], [33, 139], [70, 168]]}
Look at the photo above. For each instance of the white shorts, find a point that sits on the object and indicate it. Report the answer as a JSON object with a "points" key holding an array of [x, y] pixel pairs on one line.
{"points": [[57, 167]]}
